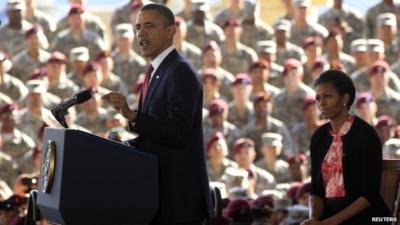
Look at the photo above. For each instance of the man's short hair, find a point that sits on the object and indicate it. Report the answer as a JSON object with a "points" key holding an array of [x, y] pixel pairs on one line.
{"points": [[163, 10]]}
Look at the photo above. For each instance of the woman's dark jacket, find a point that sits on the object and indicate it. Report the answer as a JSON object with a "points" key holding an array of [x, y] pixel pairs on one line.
{"points": [[362, 167]]}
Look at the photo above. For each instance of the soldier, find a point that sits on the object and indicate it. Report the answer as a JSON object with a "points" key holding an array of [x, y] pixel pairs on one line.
{"points": [[244, 155], [77, 35], [12, 33], [78, 58], [32, 57], [338, 10], [313, 49], [127, 63], [236, 57], [301, 27], [266, 50], [234, 10], [387, 31], [385, 128], [212, 59], [211, 85], [271, 148], [216, 121], [320, 65], [35, 16], [34, 114], [260, 73], [200, 30], [303, 131], [396, 66], [58, 83], [217, 163], [263, 123], [8, 169], [186, 12], [384, 6], [240, 109], [93, 116], [10, 85], [334, 54], [387, 99], [376, 52], [358, 50], [286, 105], [15, 142], [108, 79], [92, 22], [284, 49], [121, 14], [254, 29], [91, 77], [366, 108], [49, 100], [190, 51]]}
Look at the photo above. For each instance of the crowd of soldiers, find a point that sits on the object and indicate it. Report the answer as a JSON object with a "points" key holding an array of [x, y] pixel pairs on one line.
{"points": [[259, 107]]}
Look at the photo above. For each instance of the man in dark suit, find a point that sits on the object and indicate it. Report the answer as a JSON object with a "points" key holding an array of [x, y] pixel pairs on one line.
{"points": [[168, 120]]}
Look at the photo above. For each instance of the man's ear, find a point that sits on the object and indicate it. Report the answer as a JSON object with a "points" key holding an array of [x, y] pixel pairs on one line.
{"points": [[171, 31]]}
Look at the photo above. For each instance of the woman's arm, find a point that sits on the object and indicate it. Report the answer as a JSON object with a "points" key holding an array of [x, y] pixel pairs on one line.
{"points": [[316, 206]]}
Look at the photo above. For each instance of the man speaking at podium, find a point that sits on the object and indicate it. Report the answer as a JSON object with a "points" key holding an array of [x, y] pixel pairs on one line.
{"points": [[168, 120]]}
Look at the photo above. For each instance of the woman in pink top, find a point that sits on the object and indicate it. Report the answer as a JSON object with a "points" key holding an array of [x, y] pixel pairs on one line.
{"points": [[346, 160]]}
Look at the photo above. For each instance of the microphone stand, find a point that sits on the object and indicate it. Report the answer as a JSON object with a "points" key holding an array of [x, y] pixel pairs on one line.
{"points": [[59, 114]]}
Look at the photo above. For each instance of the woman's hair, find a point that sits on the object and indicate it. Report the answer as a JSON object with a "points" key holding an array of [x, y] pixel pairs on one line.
{"points": [[340, 81]]}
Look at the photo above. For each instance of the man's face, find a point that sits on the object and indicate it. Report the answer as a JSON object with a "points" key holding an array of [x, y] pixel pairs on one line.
{"points": [[32, 42], [280, 37], [261, 110], [153, 34], [218, 149], [217, 120], [212, 59], [241, 92], [35, 100], [124, 43], [233, 32], [198, 17], [313, 51], [75, 22], [91, 79], [54, 70], [15, 17], [244, 157], [300, 13], [78, 66], [259, 75], [385, 33], [7, 120]]}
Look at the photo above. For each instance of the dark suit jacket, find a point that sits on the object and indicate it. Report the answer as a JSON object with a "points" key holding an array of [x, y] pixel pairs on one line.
{"points": [[169, 124], [362, 167]]}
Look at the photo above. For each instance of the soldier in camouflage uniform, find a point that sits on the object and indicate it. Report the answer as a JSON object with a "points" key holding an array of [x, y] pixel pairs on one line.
{"points": [[334, 54], [15, 143], [254, 29], [353, 18], [259, 179], [39, 77], [77, 35], [186, 12], [365, 108], [358, 50], [260, 73], [313, 49], [396, 66], [266, 50], [201, 31], [31, 58], [303, 131], [284, 49], [93, 116], [387, 99], [301, 27], [376, 52], [9, 85], [35, 16], [216, 121], [127, 63], [58, 83], [211, 86], [108, 79], [286, 105], [217, 163], [235, 10], [188, 50], [263, 123], [78, 58], [91, 77], [92, 22], [122, 13], [12, 33], [212, 59], [34, 114], [241, 108], [236, 57], [384, 6], [386, 31], [271, 148], [8, 168]]}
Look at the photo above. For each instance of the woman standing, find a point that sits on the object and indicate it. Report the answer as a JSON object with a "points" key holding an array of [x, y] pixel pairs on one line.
{"points": [[346, 159]]}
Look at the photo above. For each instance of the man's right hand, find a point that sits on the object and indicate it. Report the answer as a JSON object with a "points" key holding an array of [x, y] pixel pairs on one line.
{"points": [[118, 101]]}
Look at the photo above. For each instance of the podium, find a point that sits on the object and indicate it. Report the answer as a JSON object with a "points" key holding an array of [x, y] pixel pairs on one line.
{"points": [[86, 179]]}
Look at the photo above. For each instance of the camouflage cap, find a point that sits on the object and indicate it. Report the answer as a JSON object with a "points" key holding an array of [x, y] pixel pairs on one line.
{"points": [[375, 45], [266, 46], [124, 30], [359, 45], [79, 54], [15, 5], [272, 139], [386, 19]]}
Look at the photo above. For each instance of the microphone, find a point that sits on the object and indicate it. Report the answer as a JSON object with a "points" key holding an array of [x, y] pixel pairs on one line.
{"points": [[61, 110]]}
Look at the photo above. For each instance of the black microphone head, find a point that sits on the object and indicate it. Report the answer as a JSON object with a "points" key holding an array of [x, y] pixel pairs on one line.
{"points": [[83, 96]]}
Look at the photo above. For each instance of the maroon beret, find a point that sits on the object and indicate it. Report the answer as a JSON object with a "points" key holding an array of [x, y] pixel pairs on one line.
{"points": [[259, 64], [308, 101], [261, 97], [242, 143], [212, 45], [101, 55], [241, 78], [231, 22], [296, 158], [209, 73], [179, 21], [237, 208], [364, 97], [216, 137], [305, 188], [217, 106], [90, 67], [7, 108], [318, 63], [57, 57], [291, 192], [263, 201], [37, 74], [33, 30], [312, 40], [379, 66], [76, 8], [385, 120], [290, 64]]}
